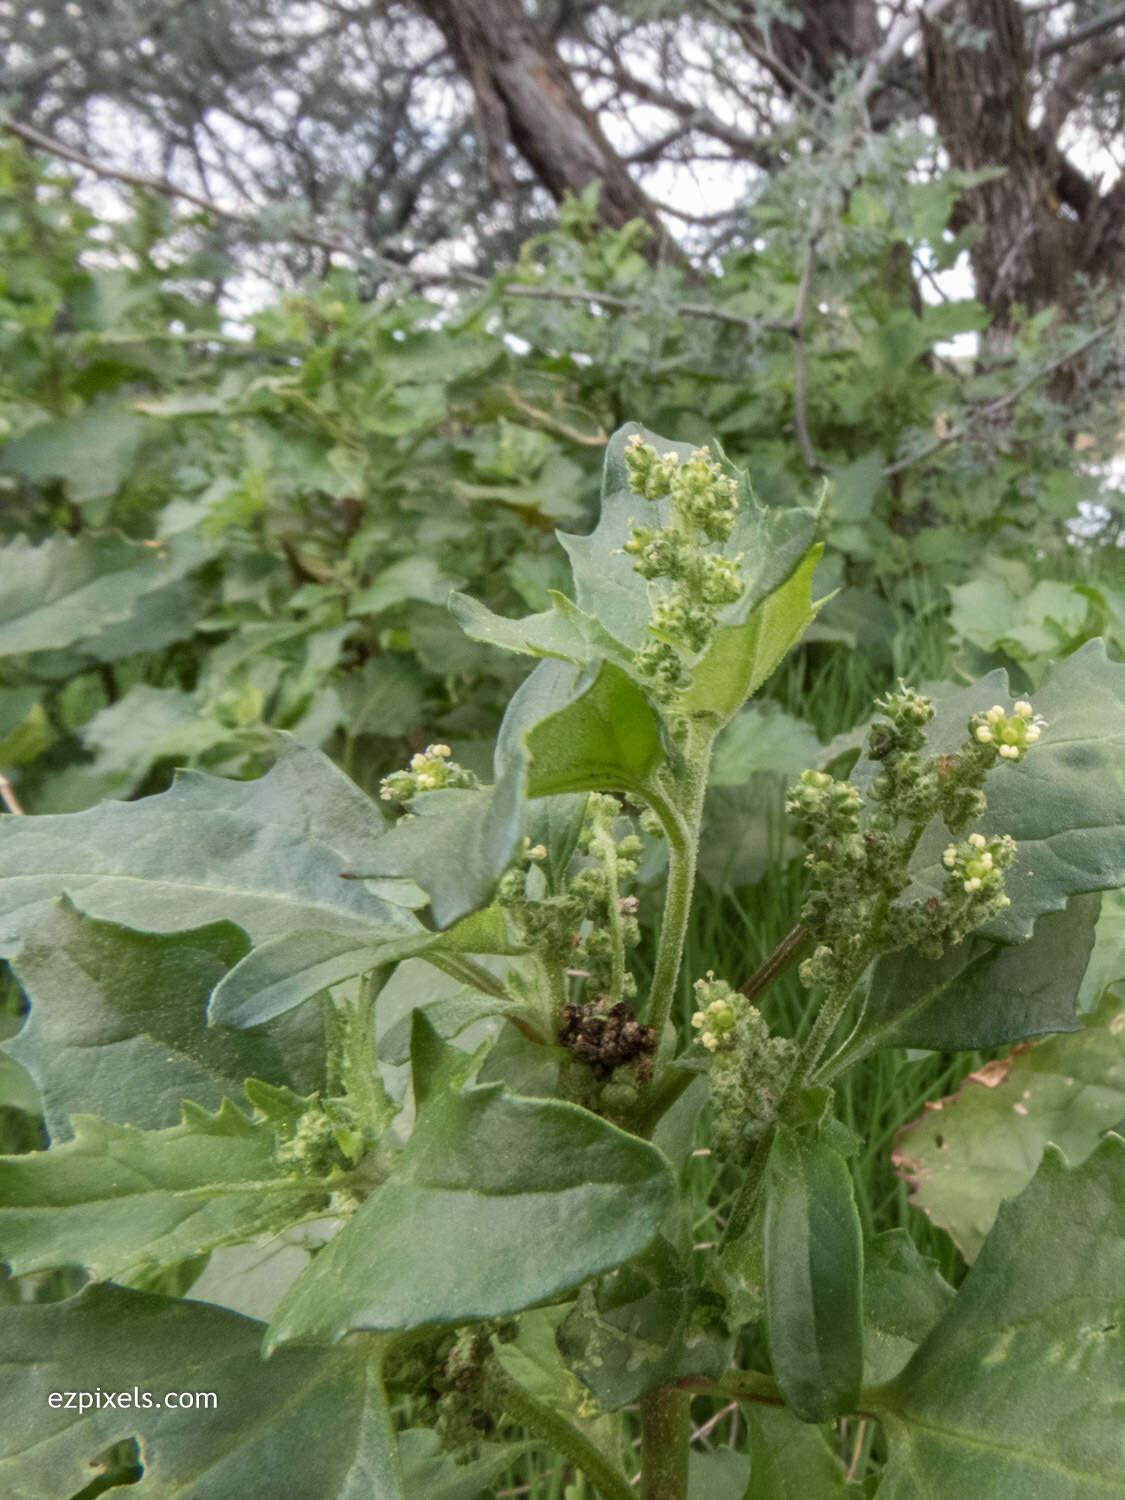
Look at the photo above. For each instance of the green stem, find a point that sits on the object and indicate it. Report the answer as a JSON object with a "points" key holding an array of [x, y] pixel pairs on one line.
{"points": [[665, 1441], [563, 1436], [742, 1385], [680, 816], [608, 852]]}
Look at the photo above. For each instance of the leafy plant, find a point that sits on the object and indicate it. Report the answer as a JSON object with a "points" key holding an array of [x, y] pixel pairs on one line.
{"points": [[432, 1044]]}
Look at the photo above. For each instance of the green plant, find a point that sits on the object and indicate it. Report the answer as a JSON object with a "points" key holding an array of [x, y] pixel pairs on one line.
{"points": [[468, 1090]]}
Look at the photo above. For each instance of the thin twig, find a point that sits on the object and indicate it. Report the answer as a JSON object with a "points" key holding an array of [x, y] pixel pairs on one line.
{"points": [[775, 963], [955, 434], [701, 1434], [9, 798]]}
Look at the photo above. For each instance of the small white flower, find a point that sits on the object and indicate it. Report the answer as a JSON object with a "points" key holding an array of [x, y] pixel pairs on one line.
{"points": [[1010, 752], [984, 734], [387, 795], [949, 858], [538, 851], [973, 884], [426, 781], [418, 762], [1023, 708], [698, 1019], [1033, 732], [441, 750], [978, 840], [995, 714], [710, 1041], [986, 860]]}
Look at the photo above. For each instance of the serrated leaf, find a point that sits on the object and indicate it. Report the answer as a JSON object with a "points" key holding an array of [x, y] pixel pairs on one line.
{"points": [[307, 1422], [981, 1145], [1017, 1391], [118, 1200], [607, 738], [982, 993], [116, 1026], [642, 1326], [904, 1296], [814, 1277], [546, 1194], [742, 656], [267, 854]]}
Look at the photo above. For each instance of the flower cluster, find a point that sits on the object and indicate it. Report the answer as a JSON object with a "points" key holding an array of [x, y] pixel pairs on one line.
{"points": [[429, 770], [750, 1068], [703, 502], [1009, 737], [859, 856], [552, 924]]}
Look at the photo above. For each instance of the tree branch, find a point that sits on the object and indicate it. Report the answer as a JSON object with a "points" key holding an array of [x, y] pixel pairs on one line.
{"points": [[1080, 34]]}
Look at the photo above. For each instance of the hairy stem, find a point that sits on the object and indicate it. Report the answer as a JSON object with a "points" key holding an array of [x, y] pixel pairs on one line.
{"points": [[468, 971], [508, 1395], [665, 1438], [616, 928], [681, 817]]}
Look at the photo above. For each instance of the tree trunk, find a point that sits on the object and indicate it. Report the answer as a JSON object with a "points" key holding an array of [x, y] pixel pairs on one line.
{"points": [[1027, 248], [526, 98]]}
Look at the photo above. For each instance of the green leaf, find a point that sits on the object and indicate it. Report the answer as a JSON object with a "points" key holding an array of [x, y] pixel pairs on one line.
{"points": [[1017, 1391], [606, 739], [763, 737], [70, 589], [742, 656], [790, 1461], [415, 577], [267, 854], [91, 453], [971, 1151], [642, 1326], [118, 1200], [904, 1295], [814, 1277], [545, 634], [545, 1193], [430, 1473], [718, 1475], [306, 1422], [982, 993], [116, 1026], [1107, 961]]}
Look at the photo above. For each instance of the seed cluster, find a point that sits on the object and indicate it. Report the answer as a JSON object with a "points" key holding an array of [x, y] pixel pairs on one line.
{"points": [[701, 583], [750, 1067], [429, 770]]}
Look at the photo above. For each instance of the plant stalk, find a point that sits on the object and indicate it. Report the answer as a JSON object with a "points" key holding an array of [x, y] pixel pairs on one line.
{"points": [[681, 818], [508, 1395], [665, 1441]]}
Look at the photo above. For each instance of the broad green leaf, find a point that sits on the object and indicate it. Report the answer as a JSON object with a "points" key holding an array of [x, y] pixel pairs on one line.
{"points": [[119, 1200], [1064, 804], [266, 854], [644, 1325], [429, 1472], [280, 974], [717, 1475], [814, 1277], [789, 1460], [415, 577], [1107, 961], [306, 1422], [545, 1193], [544, 634], [763, 737], [91, 453], [1017, 1391], [606, 739], [117, 1023], [969, 1152], [982, 993], [454, 846], [904, 1295], [70, 589], [742, 656]]}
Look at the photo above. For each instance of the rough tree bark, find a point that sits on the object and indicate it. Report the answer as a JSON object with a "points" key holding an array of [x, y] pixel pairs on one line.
{"points": [[1030, 246], [526, 98]]}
